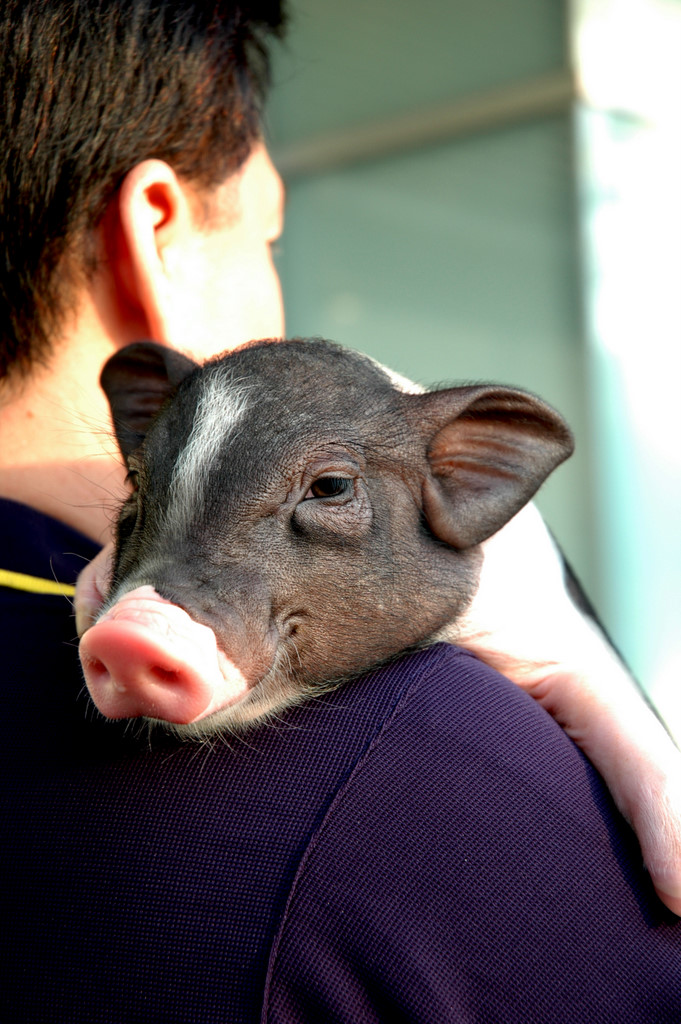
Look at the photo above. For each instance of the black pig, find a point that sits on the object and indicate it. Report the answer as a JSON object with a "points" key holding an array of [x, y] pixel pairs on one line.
{"points": [[297, 517]]}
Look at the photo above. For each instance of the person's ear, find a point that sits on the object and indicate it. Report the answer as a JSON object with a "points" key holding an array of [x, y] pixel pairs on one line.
{"points": [[153, 224]]}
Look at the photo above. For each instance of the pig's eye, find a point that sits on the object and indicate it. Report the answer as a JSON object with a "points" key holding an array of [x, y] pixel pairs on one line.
{"points": [[335, 507], [133, 478], [330, 487]]}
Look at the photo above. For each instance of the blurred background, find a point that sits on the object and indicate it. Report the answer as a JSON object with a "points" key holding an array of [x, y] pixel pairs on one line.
{"points": [[486, 191]]}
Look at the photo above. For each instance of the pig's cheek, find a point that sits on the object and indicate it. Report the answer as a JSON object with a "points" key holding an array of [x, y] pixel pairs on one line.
{"points": [[147, 657]]}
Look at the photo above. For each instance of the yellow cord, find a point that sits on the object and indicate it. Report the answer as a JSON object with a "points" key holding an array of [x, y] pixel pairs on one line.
{"points": [[34, 584]]}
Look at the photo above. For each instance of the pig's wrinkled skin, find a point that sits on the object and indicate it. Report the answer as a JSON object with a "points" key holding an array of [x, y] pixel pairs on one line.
{"points": [[296, 518]]}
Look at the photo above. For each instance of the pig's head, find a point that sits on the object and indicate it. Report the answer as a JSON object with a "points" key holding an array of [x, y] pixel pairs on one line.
{"points": [[296, 517]]}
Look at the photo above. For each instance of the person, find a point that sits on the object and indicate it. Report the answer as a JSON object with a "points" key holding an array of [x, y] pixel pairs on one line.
{"points": [[426, 844]]}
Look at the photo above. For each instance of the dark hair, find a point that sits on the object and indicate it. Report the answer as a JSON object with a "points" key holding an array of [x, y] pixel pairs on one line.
{"points": [[89, 89]]}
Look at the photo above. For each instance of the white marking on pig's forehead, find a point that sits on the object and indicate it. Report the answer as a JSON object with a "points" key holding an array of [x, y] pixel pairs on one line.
{"points": [[221, 405], [409, 387]]}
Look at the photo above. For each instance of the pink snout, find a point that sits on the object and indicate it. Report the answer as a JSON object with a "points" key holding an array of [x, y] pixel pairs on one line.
{"points": [[148, 657]]}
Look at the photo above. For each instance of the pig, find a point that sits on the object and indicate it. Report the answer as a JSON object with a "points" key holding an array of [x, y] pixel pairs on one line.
{"points": [[297, 516]]}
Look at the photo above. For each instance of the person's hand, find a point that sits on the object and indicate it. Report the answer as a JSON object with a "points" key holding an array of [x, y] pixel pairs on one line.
{"points": [[523, 623], [91, 588]]}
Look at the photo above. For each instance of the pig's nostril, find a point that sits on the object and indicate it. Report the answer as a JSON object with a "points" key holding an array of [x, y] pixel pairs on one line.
{"points": [[165, 675], [99, 676], [97, 670]]}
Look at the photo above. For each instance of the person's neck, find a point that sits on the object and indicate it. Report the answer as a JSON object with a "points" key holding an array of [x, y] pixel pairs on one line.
{"points": [[57, 452]]}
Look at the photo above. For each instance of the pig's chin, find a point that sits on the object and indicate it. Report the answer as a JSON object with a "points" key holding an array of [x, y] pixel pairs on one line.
{"points": [[146, 657]]}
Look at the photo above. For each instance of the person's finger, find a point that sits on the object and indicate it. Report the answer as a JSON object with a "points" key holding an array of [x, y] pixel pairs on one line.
{"points": [[91, 588]]}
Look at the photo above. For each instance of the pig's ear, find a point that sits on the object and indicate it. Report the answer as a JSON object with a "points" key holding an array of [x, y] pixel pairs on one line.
{"points": [[489, 450], [137, 380]]}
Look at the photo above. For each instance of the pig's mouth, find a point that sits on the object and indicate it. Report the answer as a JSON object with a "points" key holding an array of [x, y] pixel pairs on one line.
{"points": [[146, 657]]}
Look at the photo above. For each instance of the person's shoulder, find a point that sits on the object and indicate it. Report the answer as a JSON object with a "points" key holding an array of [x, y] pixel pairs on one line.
{"points": [[438, 710], [37, 545], [458, 699], [472, 863], [40, 558]]}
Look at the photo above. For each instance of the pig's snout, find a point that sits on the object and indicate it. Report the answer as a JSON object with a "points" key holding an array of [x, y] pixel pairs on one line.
{"points": [[148, 657]]}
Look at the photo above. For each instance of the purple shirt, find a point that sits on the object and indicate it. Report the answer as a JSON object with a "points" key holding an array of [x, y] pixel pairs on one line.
{"points": [[424, 845]]}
